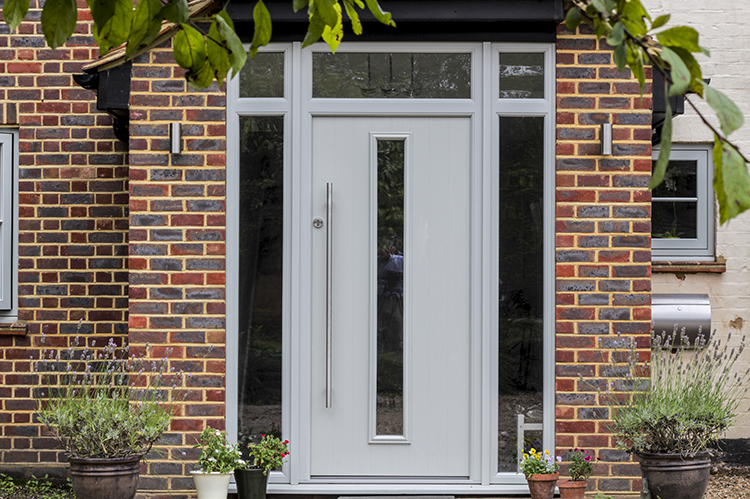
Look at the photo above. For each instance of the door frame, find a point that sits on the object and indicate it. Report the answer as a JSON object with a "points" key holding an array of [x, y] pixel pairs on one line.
{"points": [[298, 108]]}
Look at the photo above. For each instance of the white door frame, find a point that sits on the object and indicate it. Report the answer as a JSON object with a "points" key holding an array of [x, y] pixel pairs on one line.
{"points": [[298, 107]]}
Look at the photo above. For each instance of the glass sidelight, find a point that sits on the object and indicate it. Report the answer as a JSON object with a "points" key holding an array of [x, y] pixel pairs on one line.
{"points": [[260, 277], [390, 287], [520, 306]]}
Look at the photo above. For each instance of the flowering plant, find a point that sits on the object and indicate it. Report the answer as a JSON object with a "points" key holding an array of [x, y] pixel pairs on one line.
{"points": [[690, 398], [269, 453], [539, 463], [217, 454], [582, 465], [102, 403]]}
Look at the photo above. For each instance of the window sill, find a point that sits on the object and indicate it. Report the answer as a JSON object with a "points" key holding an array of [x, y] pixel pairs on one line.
{"points": [[12, 329], [676, 267]]}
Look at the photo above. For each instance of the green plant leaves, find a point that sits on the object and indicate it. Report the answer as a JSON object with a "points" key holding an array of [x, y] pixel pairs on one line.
{"points": [[731, 180], [573, 18], [176, 11], [14, 11], [236, 52], [333, 34], [660, 21], [730, 116], [146, 25], [116, 29], [680, 36], [59, 18], [617, 36], [657, 176], [315, 28], [380, 14], [353, 16], [262, 33], [189, 48], [680, 73]]}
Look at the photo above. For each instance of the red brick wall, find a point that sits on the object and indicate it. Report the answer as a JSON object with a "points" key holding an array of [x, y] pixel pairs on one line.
{"points": [[603, 244]]}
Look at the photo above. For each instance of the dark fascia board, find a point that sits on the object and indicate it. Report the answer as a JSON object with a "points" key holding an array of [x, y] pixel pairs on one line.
{"points": [[433, 20]]}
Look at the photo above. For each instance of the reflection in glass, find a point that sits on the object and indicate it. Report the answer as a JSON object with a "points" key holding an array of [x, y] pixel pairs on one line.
{"points": [[521, 76], [520, 305], [263, 76], [351, 75], [390, 267], [680, 181], [674, 219], [260, 279]]}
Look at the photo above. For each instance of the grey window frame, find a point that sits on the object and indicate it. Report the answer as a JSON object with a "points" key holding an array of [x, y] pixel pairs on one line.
{"points": [[700, 248], [8, 224]]}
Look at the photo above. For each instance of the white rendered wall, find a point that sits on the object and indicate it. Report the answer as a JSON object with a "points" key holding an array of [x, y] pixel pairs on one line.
{"points": [[724, 26]]}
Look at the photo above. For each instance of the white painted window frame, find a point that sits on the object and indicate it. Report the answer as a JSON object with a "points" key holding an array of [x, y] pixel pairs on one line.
{"points": [[8, 225], [298, 108], [700, 248]]}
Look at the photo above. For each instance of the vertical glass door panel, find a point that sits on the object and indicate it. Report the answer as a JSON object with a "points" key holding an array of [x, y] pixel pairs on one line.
{"points": [[390, 314], [520, 305], [260, 279]]}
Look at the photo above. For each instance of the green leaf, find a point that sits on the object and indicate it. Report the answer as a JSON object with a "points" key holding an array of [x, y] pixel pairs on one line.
{"points": [[380, 14], [598, 5], [59, 18], [730, 116], [333, 35], [696, 75], [189, 48], [665, 149], [236, 51], [680, 73], [299, 4], [353, 17], [117, 29], [101, 11], [176, 11], [731, 181], [217, 52], [14, 11], [617, 36], [262, 33], [315, 28], [573, 18], [680, 36], [660, 21], [620, 55], [632, 16], [326, 11], [635, 63], [202, 78], [146, 25]]}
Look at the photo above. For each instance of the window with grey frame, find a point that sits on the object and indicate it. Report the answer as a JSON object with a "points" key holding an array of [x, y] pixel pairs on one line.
{"points": [[7, 222], [682, 206]]}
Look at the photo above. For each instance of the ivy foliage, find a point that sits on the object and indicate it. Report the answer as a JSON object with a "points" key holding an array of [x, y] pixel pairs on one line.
{"points": [[208, 48], [637, 41]]}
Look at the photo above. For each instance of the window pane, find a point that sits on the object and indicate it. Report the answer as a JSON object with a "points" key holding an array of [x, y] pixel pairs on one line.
{"points": [[674, 219], [263, 76], [521, 76], [679, 180], [520, 306], [260, 279], [398, 75], [390, 251]]}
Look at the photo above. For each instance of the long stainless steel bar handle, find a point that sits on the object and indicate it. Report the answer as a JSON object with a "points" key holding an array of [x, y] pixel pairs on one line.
{"points": [[329, 293]]}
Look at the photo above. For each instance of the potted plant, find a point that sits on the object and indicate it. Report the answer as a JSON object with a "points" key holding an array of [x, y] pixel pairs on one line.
{"points": [[540, 469], [217, 460], [669, 418], [267, 455], [106, 410], [580, 470]]}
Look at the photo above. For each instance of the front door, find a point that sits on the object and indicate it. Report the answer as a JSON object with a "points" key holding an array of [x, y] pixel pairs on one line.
{"points": [[391, 291]]}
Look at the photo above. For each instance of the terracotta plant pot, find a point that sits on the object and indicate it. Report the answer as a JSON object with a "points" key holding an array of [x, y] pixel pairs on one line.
{"points": [[105, 478], [572, 489], [212, 485], [251, 484], [542, 486], [672, 476]]}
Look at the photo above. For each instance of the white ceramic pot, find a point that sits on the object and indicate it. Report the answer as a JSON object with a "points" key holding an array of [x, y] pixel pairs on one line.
{"points": [[213, 485]]}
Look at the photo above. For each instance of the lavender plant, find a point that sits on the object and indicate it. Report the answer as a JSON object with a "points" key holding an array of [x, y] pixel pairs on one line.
{"points": [[103, 403], [690, 400]]}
